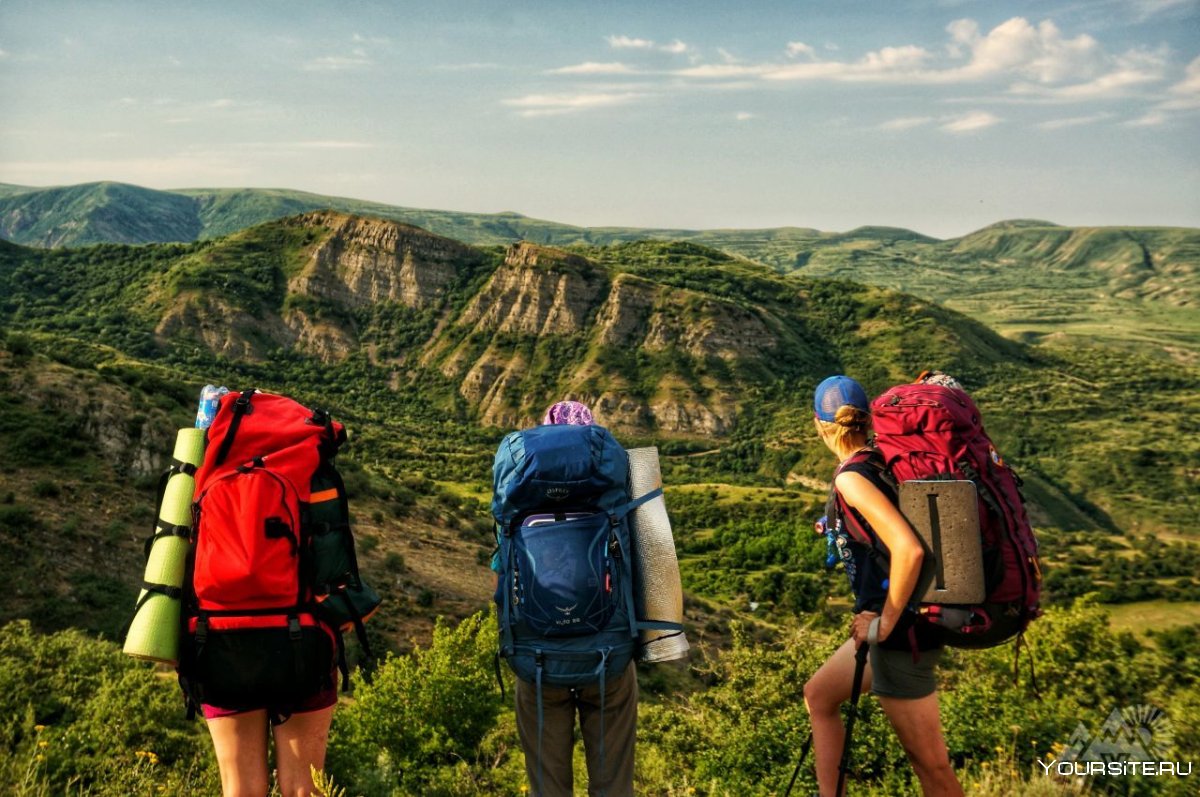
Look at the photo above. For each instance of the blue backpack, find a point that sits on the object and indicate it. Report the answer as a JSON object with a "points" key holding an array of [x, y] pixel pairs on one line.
{"points": [[565, 593]]}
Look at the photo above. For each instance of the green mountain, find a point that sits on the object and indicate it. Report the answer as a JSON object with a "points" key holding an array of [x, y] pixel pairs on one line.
{"points": [[1029, 279], [430, 349], [668, 341]]}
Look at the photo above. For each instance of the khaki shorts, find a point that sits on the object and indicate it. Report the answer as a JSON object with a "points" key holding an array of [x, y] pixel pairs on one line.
{"points": [[895, 674]]}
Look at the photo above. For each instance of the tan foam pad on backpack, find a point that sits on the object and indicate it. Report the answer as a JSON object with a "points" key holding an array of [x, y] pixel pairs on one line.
{"points": [[658, 590], [945, 515]]}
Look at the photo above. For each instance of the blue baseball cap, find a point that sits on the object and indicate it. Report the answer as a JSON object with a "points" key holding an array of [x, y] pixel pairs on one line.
{"points": [[835, 392]]}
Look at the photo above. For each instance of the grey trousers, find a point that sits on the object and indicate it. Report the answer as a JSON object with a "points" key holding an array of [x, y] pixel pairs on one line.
{"points": [[559, 705]]}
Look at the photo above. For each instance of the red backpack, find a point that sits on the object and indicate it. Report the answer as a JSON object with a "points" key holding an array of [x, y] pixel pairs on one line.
{"points": [[925, 431], [267, 590]]}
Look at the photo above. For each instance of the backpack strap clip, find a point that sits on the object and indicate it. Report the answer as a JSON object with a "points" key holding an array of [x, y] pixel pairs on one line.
{"points": [[201, 632]]}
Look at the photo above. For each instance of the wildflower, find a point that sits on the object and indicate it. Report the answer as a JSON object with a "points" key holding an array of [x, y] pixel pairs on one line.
{"points": [[43, 744], [39, 728], [39, 757]]}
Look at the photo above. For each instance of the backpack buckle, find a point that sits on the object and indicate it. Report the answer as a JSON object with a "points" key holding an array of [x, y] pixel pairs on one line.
{"points": [[242, 403], [293, 628], [201, 630]]}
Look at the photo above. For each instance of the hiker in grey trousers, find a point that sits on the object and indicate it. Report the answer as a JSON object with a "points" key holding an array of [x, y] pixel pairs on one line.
{"points": [[559, 706]]}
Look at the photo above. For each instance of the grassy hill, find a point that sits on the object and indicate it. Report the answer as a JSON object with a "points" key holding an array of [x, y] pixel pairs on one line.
{"points": [[429, 350], [1030, 280], [670, 342]]}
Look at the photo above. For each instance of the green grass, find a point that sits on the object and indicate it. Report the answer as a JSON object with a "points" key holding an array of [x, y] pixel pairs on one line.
{"points": [[1149, 616]]}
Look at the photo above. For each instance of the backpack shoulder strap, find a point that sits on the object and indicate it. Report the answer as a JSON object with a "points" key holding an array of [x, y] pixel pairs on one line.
{"points": [[857, 530]]}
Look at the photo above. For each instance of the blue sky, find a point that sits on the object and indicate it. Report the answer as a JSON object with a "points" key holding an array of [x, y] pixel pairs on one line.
{"points": [[938, 115]]}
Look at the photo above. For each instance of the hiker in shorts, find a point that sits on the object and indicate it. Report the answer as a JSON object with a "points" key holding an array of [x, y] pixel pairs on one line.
{"points": [[301, 731], [903, 653], [613, 733]]}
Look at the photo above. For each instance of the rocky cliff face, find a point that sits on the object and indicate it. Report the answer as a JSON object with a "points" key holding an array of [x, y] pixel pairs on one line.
{"points": [[538, 291], [351, 263], [542, 295], [369, 261], [135, 440], [224, 328], [547, 325]]}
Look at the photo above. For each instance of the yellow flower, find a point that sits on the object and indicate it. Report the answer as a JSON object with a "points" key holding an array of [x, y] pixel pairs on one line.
{"points": [[43, 744], [39, 757], [39, 728]]}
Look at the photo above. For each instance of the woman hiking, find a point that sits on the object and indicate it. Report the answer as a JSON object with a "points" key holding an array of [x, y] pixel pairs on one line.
{"points": [[903, 653]]}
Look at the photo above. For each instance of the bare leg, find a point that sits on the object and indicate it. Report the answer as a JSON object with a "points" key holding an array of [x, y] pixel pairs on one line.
{"points": [[919, 727], [826, 690], [299, 743], [241, 745]]}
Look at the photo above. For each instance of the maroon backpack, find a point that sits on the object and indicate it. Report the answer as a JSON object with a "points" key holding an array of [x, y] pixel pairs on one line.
{"points": [[925, 431]]}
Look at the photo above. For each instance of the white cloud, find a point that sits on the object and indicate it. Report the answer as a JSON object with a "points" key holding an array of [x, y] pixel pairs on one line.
{"points": [[970, 122], [1145, 9], [1037, 60], [468, 67], [727, 56], [1135, 68], [629, 43], [1073, 121], [675, 47], [1185, 95], [3, 54], [743, 116], [795, 49], [532, 105], [594, 68], [1150, 119], [889, 63], [906, 122], [722, 70], [224, 102], [337, 63]]}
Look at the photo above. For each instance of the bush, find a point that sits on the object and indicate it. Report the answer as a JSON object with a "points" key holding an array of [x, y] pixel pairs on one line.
{"points": [[93, 714], [421, 713]]}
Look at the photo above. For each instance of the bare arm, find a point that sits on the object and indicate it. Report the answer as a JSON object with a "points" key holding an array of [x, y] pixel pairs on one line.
{"points": [[896, 534]]}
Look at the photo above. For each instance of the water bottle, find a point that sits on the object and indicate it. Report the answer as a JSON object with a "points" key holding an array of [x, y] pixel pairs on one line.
{"points": [[210, 399], [822, 527]]}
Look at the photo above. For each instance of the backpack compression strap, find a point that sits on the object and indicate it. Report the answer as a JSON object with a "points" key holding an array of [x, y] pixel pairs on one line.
{"points": [[241, 407], [636, 625]]}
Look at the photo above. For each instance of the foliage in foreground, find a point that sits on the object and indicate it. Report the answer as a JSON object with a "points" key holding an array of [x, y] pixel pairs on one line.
{"points": [[77, 717]]}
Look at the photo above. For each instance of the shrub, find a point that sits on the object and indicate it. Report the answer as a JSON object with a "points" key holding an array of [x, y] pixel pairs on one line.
{"points": [[420, 713]]}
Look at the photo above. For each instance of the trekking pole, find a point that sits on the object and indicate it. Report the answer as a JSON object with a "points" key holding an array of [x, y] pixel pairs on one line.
{"points": [[796, 771], [860, 664]]}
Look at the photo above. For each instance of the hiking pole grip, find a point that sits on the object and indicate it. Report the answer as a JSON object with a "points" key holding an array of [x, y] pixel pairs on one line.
{"points": [[860, 666]]}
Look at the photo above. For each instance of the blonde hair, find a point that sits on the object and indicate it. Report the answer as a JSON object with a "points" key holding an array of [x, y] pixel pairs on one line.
{"points": [[847, 432]]}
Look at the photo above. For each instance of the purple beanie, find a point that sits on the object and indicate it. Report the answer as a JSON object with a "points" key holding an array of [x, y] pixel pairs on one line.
{"points": [[569, 412]]}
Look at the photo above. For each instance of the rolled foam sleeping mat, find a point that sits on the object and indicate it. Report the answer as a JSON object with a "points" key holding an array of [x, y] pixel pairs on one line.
{"points": [[154, 632], [945, 515], [659, 593]]}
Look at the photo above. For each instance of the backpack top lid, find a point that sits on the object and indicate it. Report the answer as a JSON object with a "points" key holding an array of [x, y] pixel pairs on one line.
{"points": [[558, 466], [252, 425]]}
